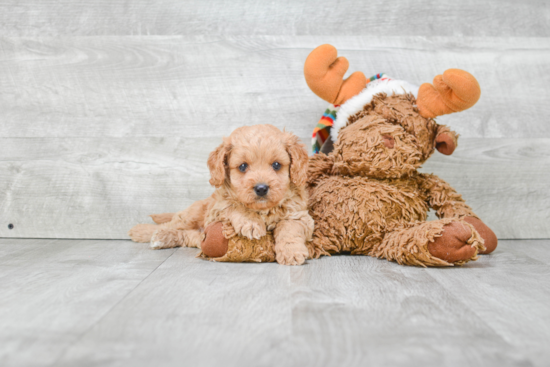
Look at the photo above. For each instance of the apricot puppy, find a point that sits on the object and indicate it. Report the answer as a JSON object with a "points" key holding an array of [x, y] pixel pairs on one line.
{"points": [[260, 177]]}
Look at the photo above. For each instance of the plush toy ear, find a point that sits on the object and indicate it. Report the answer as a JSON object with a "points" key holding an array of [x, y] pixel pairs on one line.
{"points": [[456, 90], [324, 72], [446, 142], [217, 162], [298, 159]]}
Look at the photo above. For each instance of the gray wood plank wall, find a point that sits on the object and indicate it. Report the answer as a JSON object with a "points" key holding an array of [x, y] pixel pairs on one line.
{"points": [[109, 109]]}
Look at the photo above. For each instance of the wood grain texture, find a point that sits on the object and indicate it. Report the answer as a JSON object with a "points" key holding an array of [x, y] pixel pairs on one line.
{"points": [[286, 17], [505, 181], [504, 312], [108, 109], [53, 292], [197, 87], [100, 188], [116, 303]]}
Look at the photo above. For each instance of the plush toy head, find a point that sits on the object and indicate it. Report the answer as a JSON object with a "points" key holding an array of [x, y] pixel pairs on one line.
{"points": [[388, 138], [384, 128]]}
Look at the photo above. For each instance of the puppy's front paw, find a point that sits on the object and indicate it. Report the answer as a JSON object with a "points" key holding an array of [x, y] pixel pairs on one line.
{"points": [[252, 230], [294, 253]]}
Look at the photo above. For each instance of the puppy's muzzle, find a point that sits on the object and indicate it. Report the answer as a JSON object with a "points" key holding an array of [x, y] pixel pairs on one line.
{"points": [[261, 189]]}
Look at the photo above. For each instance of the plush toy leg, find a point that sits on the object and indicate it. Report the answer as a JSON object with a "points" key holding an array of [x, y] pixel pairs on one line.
{"points": [[217, 247], [169, 237], [443, 242]]}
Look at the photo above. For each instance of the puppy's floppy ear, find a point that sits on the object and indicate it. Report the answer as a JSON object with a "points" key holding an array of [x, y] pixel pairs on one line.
{"points": [[298, 159], [217, 162]]}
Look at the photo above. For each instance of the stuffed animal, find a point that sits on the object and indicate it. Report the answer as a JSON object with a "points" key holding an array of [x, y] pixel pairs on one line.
{"points": [[366, 195]]}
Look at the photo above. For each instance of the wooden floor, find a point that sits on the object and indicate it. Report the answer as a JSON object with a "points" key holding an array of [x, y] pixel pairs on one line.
{"points": [[117, 303]]}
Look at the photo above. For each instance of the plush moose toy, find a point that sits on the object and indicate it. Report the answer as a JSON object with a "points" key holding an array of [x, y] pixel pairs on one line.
{"points": [[366, 195]]}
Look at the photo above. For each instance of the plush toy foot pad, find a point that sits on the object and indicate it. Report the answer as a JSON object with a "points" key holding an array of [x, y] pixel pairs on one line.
{"points": [[485, 232], [214, 244], [452, 246]]}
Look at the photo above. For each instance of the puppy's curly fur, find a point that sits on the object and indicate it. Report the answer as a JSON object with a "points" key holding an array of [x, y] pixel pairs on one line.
{"points": [[250, 156]]}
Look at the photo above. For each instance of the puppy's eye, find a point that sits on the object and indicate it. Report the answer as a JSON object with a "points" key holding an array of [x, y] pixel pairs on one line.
{"points": [[276, 166], [243, 167]]}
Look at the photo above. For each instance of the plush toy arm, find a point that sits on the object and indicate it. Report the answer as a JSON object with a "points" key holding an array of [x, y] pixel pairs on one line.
{"points": [[444, 199], [291, 236], [319, 165]]}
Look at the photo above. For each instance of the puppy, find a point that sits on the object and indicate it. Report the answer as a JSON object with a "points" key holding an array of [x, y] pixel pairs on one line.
{"points": [[260, 177]]}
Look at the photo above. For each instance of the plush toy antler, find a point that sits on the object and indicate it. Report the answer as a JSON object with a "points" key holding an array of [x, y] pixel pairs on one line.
{"points": [[324, 72], [456, 90]]}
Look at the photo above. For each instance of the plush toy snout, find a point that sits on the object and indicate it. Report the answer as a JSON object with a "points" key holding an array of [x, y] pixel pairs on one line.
{"points": [[445, 144]]}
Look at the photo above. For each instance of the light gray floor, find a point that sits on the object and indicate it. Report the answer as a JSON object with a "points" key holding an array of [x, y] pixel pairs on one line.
{"points": [[117, 303]]}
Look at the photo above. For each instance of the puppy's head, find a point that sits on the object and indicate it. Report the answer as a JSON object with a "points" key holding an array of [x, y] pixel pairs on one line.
{"points": [[260, 165]]}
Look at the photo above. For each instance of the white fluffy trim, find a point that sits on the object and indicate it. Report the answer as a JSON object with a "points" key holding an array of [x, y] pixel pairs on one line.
{"points": [[356, 104]]}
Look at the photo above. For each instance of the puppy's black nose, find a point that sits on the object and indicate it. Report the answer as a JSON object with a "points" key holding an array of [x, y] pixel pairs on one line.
{"points": [[261, 189]]}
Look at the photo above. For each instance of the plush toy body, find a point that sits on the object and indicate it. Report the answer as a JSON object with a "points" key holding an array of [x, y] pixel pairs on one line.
{"points": [[366, 195]]}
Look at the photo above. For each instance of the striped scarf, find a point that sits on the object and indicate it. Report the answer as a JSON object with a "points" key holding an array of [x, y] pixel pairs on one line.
{"points": [[321, 132]]}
